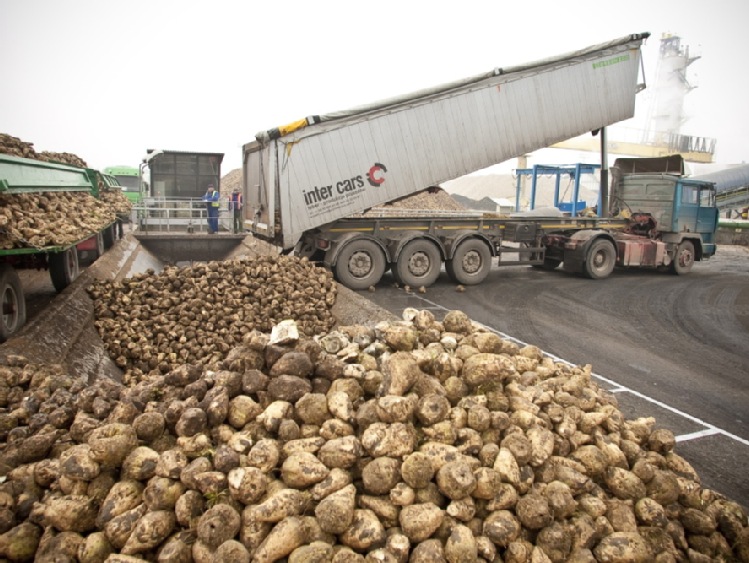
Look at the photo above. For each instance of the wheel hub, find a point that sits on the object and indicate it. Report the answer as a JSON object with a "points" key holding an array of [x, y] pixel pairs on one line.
{"points": [[685, 258], [360, 264], [418, 265], [471, 262]]}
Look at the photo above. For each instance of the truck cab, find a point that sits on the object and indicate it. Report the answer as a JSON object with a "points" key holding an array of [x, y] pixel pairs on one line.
{"points": [[661, 220], [682, 208]]}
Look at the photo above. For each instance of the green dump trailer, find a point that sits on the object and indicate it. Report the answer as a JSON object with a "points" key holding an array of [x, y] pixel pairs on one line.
{"points": [[20, 176]]}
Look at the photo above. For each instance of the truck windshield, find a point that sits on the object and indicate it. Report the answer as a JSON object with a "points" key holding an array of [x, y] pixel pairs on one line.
{"points": [[129, 183], [702, 195], [707, 197], [690, 194]]}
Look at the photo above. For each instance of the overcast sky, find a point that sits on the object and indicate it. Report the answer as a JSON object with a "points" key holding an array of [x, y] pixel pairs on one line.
{"points": [[107, 79]]}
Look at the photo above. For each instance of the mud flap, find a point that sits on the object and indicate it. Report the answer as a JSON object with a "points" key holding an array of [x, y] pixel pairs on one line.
{"points": [[574, 260]]}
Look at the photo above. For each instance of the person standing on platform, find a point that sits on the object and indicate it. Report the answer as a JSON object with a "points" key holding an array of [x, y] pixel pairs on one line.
{"points": [[211, 198], [236, 203]]}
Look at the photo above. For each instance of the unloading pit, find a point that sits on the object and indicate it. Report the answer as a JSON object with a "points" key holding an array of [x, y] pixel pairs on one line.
{"points": [[173, 248], [64, 332]]}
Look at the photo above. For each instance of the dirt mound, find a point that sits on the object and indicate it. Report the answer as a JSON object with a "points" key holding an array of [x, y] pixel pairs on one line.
{"points": [[433, 198], [230, 181]]}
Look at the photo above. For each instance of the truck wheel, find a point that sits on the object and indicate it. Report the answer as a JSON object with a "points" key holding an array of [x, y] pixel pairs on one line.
{"points": [[12, 302], [63, 268], [100, 248], [471, 262], [418, 263], [600, 260], [360, 264], [684, 259], [101, 244]]}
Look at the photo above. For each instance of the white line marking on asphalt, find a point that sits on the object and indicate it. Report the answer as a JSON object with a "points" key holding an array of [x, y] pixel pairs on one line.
{"points": [[710, 430], [700, 434]]}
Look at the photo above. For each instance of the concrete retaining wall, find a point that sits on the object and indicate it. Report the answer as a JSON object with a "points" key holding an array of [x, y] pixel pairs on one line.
{"points": [[65, 333]]}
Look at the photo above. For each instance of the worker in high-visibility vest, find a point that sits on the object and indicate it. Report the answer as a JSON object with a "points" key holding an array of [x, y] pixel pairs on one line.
{"points": [[211, 198], [236, 204]]}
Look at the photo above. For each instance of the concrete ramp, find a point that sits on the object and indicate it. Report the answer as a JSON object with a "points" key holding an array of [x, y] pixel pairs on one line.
{"points": [[172, 248]]}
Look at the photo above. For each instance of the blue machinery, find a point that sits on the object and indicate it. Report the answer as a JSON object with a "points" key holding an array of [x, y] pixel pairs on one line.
{"points": [[574, 171]]}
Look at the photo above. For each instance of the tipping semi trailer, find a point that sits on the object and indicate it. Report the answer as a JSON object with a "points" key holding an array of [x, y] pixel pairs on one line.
{"points": [[86, 240], [311, 186]]}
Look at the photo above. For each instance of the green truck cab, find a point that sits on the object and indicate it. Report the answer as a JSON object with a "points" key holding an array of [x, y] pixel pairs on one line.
{"points": [[128, 178]]}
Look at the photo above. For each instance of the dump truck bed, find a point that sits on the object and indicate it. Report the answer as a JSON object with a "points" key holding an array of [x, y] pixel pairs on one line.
{"points": [[24, 175], [323, 168]]}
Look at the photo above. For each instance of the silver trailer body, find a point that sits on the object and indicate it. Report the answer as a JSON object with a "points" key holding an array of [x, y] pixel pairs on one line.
{"points": [[324, 168]]}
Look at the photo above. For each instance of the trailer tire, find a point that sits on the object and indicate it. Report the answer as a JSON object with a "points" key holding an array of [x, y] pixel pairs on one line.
{"points": [[63, 268], [600, 259], [418, 264], [684, 259], [110, 236], [100, 247], [471, 262], [12, 302], [360, 264]]}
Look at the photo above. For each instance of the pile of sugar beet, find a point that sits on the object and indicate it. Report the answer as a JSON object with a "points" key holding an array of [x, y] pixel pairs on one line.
{"points": [[418, 440]]}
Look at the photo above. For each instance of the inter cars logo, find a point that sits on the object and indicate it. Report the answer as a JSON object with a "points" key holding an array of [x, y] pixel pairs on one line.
{"points": [[376, 174], [323, 197]]}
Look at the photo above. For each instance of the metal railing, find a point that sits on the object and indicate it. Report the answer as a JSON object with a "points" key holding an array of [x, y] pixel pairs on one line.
{"points": [[671, 141], [178, 215]]}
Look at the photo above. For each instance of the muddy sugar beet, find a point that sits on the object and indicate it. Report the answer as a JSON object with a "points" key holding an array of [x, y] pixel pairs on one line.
{"points": [[414, 440]]}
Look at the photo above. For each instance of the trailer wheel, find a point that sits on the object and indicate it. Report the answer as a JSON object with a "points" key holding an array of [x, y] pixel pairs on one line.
{"points": [[471, 262], [63, 268], [600, 260], [101, 247], [99, 250], [684, 259], [418, 264], [12, 302], [360, 264], [109, 236]]}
